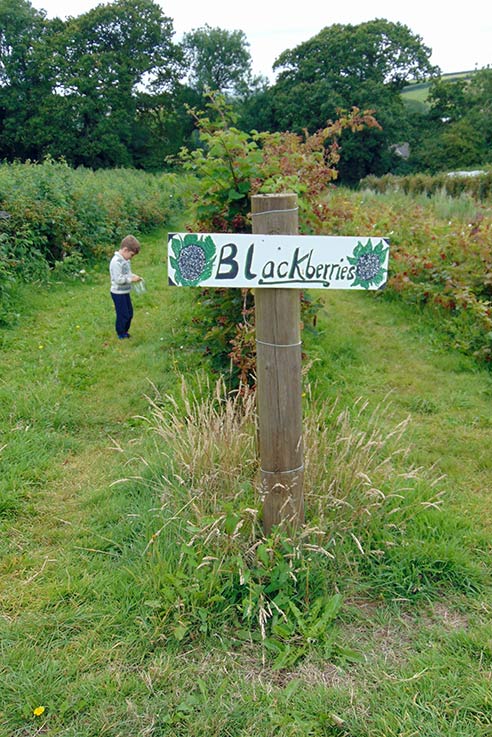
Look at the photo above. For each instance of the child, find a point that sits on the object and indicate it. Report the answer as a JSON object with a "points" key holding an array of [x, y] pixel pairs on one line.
{"points": [[121, 281]]}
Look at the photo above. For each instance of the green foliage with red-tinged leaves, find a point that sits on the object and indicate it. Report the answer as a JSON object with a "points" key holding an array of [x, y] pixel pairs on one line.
{"points": [[439, 261], [225, 319], [232, 166]]}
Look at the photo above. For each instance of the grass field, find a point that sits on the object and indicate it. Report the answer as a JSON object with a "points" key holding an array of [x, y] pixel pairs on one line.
{"points": [[85, 647], [418, 92]]}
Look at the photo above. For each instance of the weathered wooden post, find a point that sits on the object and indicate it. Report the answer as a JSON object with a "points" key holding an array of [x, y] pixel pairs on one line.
{"points": [[278, 366]]}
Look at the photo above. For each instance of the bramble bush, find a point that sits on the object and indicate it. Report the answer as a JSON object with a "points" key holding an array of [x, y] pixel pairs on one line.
{"points": [[440, 228], [231, 166], [51, 214], [440, 259]]}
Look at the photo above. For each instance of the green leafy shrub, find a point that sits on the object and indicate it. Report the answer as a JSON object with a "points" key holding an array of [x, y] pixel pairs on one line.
{"points": [[50, 213], [7, 281], [231, 166], [440, 257]]}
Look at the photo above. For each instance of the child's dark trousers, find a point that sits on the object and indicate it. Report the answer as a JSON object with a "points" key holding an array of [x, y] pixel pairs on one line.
{"points": [[124, 313]]}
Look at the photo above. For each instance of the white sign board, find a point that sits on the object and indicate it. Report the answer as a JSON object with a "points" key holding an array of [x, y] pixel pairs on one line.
{"points": [[294, 261]]}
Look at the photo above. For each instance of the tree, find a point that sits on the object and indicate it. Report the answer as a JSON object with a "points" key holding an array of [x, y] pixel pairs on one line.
{"points": [[447, 99], [163, 126], [74, 88], [23, 81], [365, 66], [106, 59], [218, 60], [20, 26], [479, 96], [457, 131]]}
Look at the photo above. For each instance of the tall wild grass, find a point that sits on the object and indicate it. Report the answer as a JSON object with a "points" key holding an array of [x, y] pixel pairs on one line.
{"points": [[214, 573]]}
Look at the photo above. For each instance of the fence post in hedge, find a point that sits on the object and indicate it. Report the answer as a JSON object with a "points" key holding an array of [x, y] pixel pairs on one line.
{"points": [[278, 345]]}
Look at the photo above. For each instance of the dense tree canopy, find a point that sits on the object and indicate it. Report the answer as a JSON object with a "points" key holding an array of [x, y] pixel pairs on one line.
{"points": [[349, 65], [344, 65], [111, 87], [23, 83], [458, 131], [20, 28], [73, 88], [105, 59], [217, 60]]}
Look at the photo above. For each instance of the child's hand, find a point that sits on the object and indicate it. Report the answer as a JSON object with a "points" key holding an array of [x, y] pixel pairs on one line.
{"points": [[135, 277]]}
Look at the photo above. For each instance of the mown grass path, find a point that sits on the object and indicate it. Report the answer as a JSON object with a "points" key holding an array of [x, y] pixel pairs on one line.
{"points": [[74, 637], [372, 347]]}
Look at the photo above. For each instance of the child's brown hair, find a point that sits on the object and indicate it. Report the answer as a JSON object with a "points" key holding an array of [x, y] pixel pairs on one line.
{"points": [[131, 243]]}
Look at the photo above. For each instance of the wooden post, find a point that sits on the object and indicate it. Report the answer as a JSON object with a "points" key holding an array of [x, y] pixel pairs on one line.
{"points": [[278, 366]]}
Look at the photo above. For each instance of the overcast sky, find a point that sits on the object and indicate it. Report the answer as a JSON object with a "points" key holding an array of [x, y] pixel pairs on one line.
{"points": [[459, 34]]}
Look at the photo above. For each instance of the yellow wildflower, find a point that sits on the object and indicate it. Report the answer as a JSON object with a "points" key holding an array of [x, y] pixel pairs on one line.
{"points": [[38, 711]]}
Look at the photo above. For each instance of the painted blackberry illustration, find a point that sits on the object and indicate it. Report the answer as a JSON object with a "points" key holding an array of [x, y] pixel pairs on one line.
{"points": [[193, 259], [368, 262]]}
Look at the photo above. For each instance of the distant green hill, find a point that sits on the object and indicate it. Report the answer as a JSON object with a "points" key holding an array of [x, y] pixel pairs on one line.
{"points": [[415, 94]]}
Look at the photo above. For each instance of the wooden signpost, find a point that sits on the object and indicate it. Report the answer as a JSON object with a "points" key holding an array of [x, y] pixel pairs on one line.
{"points": [[278, 371], [277, 263]]}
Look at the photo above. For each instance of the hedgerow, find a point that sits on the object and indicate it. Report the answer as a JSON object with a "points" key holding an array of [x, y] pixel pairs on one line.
{"points": [[440, 257], [454, 184], [53, 215]]}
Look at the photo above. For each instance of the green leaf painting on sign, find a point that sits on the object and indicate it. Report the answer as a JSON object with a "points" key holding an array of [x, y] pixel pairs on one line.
{"points": [[193, 259], [368, 261]]}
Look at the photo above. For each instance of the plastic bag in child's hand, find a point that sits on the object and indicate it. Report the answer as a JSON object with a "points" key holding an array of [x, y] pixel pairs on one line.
{"points": [[139, 287]]}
